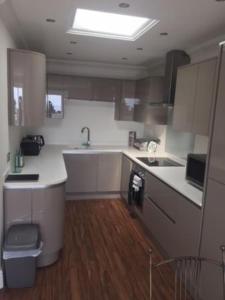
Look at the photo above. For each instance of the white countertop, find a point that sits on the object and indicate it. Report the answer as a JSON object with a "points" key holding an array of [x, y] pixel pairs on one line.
{"points": [[51, 169]]}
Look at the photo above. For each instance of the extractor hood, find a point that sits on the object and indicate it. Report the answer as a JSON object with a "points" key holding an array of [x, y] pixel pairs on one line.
{"points": [[174, 59]]}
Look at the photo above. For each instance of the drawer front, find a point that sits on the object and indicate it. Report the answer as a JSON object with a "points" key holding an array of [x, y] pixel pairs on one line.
{"points": [[159, 225], [163, 195]]}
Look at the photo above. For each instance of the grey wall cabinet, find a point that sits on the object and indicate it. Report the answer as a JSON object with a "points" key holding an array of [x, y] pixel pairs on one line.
{"points": [[122, 111], [108, 90], [150, 109], [41, 206], [27, 87], [93, 173], [168, 215], [109, 172], [194, 97], [79, 88], [125, 177], [82, 173], [86, 88]]}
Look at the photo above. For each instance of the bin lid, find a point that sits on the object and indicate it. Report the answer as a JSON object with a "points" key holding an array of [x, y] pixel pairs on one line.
{"points": [[22, 237]]}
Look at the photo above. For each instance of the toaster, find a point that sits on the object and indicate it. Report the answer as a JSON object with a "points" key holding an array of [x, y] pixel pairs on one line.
{"points": [[31, 145]]}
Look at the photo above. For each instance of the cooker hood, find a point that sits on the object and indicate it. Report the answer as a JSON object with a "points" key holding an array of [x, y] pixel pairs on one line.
{"points": [[174, 59]]}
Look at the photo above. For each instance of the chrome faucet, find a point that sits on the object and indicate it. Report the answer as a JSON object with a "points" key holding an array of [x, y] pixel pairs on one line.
{"points": [[87, 144]]}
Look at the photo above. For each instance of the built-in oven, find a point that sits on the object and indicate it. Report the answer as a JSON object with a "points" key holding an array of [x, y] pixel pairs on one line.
{"points": [[136, 188], [195, 170]]}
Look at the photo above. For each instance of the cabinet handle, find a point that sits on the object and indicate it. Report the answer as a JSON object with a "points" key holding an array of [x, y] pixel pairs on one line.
{"points": [[161, 210]]}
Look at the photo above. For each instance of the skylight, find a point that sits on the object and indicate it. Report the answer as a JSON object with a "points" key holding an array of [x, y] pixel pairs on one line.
{"points": [[109, 25]]}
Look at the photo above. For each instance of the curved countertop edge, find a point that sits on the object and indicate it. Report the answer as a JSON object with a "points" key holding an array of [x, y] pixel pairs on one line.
{"points": [[51, 167]]}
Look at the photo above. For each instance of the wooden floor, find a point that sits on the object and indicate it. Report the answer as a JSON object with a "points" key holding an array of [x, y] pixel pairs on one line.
{"points": [[105, 257]]}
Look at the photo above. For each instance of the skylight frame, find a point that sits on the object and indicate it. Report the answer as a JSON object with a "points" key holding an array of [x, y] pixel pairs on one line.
{"points": [[150, 23]]}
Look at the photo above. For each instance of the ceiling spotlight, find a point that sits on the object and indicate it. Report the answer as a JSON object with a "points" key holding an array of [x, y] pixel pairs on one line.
{"points": [[140, 49], [69, 53], [50, 20], [124, 5], [73, 42], [164, 33]]}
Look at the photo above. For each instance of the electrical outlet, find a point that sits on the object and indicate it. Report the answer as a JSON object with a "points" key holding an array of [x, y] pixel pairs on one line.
{"points": [[8, 157]]}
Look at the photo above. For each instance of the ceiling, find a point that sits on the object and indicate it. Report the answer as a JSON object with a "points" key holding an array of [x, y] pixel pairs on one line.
{"points": [[188, 23]]}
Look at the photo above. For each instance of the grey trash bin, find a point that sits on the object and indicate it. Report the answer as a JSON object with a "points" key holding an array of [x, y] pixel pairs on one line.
{"points": [[21, 248]]}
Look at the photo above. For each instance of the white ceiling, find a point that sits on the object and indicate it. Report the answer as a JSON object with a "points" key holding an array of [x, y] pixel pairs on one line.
{"points": [[188, 22]]}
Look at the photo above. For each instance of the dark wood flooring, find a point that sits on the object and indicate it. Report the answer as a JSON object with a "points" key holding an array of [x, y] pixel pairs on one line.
{"points": [[105, 257]]}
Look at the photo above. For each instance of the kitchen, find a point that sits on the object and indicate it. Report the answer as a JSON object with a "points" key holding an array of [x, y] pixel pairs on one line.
{"points": [[111, 145]]}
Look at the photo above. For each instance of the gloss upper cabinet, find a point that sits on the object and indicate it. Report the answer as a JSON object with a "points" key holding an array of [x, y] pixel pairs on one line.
{"points": [[27, 87], [194, 97]]}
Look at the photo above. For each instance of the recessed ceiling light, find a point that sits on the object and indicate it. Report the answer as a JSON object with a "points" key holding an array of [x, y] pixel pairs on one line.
{"points": [[139, 49], [124, 58], [108, 25], [124, 5], [73, 42], [69, 53], [164, 33], [50, 20]]}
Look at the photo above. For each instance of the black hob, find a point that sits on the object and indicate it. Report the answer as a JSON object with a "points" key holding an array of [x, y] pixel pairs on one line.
{"points": [[159, 162]]}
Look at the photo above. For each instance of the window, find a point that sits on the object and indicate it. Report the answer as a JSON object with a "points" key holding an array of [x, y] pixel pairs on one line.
{"points": [[110, 25]]}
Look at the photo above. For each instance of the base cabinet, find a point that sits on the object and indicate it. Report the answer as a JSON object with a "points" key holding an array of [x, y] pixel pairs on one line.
{"points": [[125, 177], [93, 173], [82, 173], [167, 214], [109, 172], [44, 207]]}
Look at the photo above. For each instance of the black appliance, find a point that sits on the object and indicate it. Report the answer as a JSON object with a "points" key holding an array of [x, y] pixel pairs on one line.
{"points": [[174, 59], [136, 189], [195, 170], [159, 162], [31, 145]]}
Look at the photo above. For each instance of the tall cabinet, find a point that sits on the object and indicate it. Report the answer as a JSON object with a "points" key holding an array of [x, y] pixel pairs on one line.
{"points": [[27, 87], [213, 230]]}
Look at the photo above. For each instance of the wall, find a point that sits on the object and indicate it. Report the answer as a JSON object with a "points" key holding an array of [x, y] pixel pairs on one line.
{"points": [[98, 116], [9, 137]]}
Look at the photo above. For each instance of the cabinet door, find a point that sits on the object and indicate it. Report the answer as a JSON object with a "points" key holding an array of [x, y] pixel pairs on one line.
{"points": [[185, 98], [125, 177], [48, 212], [108, 90], [122, 111], [82, 173], [217, 158], [17, 207], [55, 82], [27, 87], [204, 97], [143, 89], [79, 88], [213, 236], [109, 172]]}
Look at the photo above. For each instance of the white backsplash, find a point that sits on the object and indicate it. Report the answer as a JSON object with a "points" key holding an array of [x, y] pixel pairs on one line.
{"points": [[98, 116]]}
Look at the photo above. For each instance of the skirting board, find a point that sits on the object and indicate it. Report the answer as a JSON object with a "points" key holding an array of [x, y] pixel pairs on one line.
{"points": [[92, 196], [1, 279]]}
